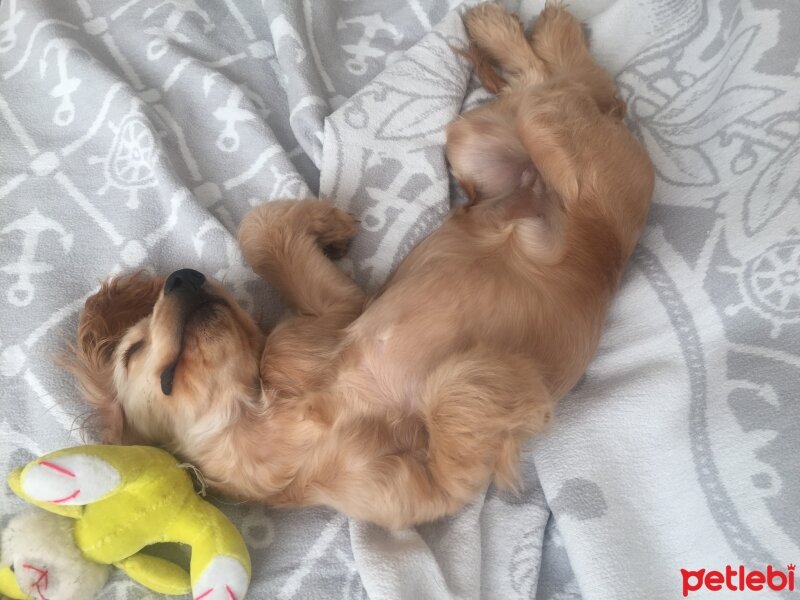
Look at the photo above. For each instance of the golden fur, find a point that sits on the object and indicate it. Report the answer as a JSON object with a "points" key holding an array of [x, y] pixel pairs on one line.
{"points": [[399, 408]]}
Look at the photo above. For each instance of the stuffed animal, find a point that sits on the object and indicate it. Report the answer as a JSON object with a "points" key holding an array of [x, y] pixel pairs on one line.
{"points": [[39, 560], [124, 500]]}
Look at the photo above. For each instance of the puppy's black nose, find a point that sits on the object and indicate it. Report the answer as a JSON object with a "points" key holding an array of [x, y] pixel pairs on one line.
{"points": [[187, 280]]}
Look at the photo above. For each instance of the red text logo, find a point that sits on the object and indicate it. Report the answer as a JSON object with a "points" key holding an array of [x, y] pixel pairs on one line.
{"points": [[738, 580]]}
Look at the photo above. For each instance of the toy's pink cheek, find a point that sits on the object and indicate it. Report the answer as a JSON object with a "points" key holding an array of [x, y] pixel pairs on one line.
{"points": [[33, 578], [70, 480]]}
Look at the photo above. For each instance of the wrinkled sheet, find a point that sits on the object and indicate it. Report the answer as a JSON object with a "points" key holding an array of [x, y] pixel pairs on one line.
{"points": [[136, 134]]}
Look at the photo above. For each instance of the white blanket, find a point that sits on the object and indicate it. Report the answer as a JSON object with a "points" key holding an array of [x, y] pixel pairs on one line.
{"points": [[136, 134]]}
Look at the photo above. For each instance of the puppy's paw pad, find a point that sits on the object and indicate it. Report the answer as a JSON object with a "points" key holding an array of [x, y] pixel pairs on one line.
{"points": [[336, 250]]}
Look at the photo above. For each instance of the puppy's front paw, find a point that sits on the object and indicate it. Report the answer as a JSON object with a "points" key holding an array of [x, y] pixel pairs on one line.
{"points": [[333, 229]]}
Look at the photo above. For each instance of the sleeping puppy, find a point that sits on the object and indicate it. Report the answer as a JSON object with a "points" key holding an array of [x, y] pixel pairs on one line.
{"points": [[397, 409]]}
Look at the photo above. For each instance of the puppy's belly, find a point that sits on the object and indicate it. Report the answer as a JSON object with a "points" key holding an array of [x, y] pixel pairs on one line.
{"points": [[392, 364]]}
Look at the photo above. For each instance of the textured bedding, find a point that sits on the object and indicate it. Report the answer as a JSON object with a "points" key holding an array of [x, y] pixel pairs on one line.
{"points": [[136, 134]]}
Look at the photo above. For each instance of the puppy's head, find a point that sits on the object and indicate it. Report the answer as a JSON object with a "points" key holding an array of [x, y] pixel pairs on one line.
{"points": [[162, 360]]}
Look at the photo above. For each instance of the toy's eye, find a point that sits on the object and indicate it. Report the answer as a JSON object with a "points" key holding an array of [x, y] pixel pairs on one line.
{"points": [[132, 349]]}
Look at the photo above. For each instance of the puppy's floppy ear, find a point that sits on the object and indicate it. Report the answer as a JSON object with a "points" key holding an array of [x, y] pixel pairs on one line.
{"points": [[119, 304]]}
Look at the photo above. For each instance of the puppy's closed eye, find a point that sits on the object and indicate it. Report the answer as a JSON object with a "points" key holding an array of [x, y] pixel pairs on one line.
{"points": [[132, 349]]}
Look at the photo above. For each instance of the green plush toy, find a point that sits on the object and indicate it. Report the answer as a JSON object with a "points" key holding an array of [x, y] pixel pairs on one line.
{"points": [[125, 499]]}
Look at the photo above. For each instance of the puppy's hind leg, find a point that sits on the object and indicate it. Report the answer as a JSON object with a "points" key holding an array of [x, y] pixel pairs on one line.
{"points": [[558, 40], [499, 34], [484, 68]]}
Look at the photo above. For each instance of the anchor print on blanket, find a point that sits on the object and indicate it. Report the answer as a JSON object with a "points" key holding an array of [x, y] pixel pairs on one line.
{"points": [[67, 85], [287, 184], [8, 28], [232, 114], [162, 36], [21, 292], [362, 50]]}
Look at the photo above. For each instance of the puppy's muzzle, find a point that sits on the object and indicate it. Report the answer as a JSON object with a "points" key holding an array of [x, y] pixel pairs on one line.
{"points": [[186, 287]]}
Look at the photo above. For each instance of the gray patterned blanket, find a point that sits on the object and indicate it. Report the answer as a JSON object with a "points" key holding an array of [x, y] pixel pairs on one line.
{"points": [[137, 133]]}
